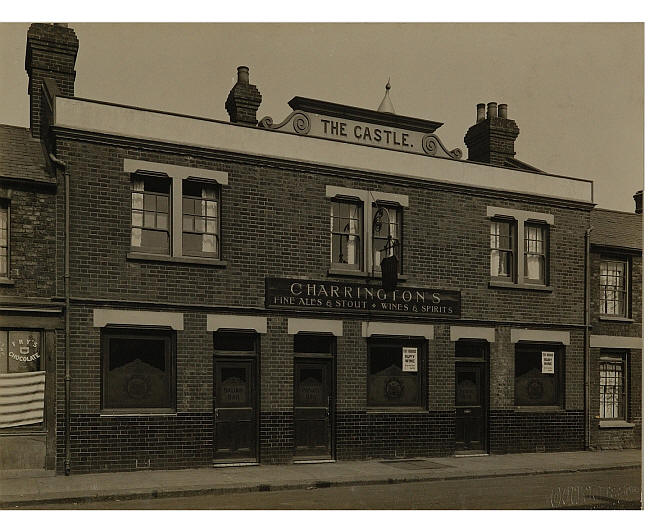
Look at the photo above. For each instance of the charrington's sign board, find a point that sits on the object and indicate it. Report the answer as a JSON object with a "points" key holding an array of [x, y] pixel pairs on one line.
{"points": [[330, 295]]}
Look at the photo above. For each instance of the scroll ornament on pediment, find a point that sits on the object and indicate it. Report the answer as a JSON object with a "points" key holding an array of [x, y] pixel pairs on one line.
{"points": [[300, 121], [432, 145]]}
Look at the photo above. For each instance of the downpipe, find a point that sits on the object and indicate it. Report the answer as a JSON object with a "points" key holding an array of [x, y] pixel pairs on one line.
{"points": [[66, 293], [586, 341]]}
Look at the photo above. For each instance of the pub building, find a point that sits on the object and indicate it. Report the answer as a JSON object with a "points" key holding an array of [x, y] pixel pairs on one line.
{"points": [[336, 285]]}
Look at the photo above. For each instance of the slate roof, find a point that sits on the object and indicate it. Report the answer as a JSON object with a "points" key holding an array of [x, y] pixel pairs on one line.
{"points": [[617, 229], [21, 156]]}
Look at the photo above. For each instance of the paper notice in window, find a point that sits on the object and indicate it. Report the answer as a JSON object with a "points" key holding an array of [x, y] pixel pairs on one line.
{"points": [[548, 362], [409, 359]]}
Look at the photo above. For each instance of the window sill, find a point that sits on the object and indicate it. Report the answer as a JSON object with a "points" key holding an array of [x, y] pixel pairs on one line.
{"points": [[613, 318], [609, 424], [211, 262], [362, 274], [539, 409], [7, 282], [520, 286], [378, 410]]}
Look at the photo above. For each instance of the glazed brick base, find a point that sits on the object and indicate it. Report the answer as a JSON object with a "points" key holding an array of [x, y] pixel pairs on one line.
{"points": [[108, 444], [515, 431], [276, 437], [363, 435]]}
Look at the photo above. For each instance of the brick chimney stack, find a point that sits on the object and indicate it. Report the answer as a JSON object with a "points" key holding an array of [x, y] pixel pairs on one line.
{"points": [[638, 200], [492, 138], [243, 100], [51, 53]]}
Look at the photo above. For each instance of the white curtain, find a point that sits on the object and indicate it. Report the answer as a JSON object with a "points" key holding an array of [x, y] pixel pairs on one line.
{"points": [[137, 204]]}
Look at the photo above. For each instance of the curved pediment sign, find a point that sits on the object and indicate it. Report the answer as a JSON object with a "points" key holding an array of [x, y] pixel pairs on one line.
{"points": [[326, 120]]}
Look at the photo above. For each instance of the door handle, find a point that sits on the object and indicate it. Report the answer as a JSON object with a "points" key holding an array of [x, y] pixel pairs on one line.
{"points": [[467, 411], [216, 412]]}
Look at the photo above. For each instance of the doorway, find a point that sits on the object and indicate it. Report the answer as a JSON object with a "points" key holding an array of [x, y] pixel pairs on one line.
{"points": [[314, 398], [471, 397], [235, 398]]}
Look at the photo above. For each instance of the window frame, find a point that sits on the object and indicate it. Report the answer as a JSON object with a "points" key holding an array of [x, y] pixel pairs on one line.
{"points": [[627, 314], [177, 174], [37, 427], [422, 373], [399, 223], [5, 205], [512, 224], [144, 177], [622, 358], [360, 236], [543, 254], [559, 351], [521, 219], [107, 334], [202, 254], [366, 198]]}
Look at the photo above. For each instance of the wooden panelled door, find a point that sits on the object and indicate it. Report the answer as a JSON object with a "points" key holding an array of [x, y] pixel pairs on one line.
{"points": [[313, 409], [470, 407], [235, 410]]}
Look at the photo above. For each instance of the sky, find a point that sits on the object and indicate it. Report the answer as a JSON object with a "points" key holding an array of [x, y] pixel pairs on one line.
{"points": [[575, 90]]}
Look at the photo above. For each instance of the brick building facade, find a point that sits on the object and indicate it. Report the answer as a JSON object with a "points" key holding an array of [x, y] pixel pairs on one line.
{"points": [[616, 354], [226, 302]]}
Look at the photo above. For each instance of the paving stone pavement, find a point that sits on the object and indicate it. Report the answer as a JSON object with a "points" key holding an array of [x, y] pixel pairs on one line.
{"points": [[22, 488]]}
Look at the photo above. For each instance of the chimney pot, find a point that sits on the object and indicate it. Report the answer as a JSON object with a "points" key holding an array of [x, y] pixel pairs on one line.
{"points": [[638, 200], [243, 100], [242, 74], [480, 112], [503, 110], [492, 110]]}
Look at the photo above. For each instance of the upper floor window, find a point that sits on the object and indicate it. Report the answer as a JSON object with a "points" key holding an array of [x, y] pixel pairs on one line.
{"points": [[346, 225], [4, 240], [200, 219], [386, 236], [535, 253], [502, 249], [613, 288], [175, 212], [150, 214], [356, 245], [519, 247]]}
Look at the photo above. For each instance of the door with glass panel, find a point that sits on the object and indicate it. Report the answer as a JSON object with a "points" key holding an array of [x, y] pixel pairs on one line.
{"points": [[313, 409], [471, 396], [235, 410]]}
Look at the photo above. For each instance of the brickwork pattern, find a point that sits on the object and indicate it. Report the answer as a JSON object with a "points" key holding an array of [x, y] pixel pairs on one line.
{"points": [[32, 243], [364, 435], [117, 444], [514, 431], [276, 437]]}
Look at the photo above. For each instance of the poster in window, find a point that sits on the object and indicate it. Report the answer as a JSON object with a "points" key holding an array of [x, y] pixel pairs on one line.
{"points": [[548, 362], [24, 350], [409, 359]]}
